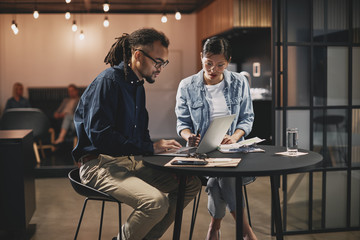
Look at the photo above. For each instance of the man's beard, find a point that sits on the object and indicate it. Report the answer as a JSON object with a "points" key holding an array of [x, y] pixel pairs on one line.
{"points": [[149, 79]]}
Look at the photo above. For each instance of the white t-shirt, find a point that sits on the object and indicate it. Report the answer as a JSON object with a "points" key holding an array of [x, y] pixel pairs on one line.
{"points": [[215, 97]]}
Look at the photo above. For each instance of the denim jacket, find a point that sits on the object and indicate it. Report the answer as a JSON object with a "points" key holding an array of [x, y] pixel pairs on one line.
{"points": [[193, 110]]}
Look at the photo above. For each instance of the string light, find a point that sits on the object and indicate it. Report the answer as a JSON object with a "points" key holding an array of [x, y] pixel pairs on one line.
{"points": [[14, 27], [82, 36], [177, 15], [106, 6], [74, 26], [67, 15], [106, 22], [36, 14], [164, 18]]}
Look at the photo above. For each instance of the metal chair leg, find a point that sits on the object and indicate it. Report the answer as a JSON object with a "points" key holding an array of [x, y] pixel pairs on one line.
{"points": [[194, 213], [120, 233], [247, 205], [81, 216], [101, 218]]}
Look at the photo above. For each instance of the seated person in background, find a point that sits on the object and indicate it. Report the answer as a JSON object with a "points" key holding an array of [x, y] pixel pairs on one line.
{"points": [[65, 112], [17, 100], [213, 92]]}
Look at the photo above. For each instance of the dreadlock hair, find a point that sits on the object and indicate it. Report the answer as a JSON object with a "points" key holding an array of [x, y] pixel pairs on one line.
{"points": [[122, 49]]}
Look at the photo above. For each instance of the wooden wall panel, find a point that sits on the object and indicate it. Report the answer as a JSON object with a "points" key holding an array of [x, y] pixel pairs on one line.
{"points": [[223, 15], [254, 13]]}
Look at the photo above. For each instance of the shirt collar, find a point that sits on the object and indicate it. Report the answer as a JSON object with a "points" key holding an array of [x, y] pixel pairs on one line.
{"points": [[131, 76]]}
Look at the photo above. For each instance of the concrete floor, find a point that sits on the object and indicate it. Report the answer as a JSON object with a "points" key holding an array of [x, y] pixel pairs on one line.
{"points": [[58, 211]]}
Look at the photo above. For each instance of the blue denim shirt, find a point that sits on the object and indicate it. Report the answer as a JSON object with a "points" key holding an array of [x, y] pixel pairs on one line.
{"points": [[111, 117], [193, 110]]}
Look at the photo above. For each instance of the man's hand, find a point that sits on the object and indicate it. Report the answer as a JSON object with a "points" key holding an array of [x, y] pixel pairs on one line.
{"points": [[164, 145]]}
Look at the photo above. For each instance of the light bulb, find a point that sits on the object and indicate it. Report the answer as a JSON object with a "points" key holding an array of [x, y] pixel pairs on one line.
{"points": [[164, 19], [68, 1], [16, 31], [106, 7], [82, 36], [177, 15], [67, 15], [36, 14], [74, 26], [13, 25], [106, 22]]}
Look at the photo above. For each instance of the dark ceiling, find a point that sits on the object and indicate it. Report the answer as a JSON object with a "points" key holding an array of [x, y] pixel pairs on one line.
{"points": [[95, 6]]}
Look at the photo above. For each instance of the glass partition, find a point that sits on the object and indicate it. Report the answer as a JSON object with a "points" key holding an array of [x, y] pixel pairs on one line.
{"points": [[298, 76], [356, 76], [337, 76], [298, 13]]}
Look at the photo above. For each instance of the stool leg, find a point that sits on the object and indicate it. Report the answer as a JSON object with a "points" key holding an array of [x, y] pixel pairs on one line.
{"points": [[194, 213], [247, 205], [101, 218], [120, 233], [81, 216]]}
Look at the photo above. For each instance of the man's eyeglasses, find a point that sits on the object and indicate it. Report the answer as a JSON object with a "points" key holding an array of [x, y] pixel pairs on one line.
{"points": [[158, 64]]}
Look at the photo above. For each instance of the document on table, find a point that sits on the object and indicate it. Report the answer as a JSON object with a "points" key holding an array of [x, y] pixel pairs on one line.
{"points": [[212, 162], [247, 145]]}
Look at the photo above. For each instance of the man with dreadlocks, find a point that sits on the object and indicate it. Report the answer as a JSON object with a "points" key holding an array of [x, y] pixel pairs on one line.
{"points": [[112, 126]]}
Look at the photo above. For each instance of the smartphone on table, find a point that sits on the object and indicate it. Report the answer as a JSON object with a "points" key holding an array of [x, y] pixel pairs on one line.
{"points": [[189, 162]]}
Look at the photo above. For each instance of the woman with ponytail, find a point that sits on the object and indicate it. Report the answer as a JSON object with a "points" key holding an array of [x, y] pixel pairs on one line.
{"points": [[112, 126]]}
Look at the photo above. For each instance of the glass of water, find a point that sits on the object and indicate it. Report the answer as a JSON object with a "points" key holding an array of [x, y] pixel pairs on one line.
{"points": [[292, 137]]}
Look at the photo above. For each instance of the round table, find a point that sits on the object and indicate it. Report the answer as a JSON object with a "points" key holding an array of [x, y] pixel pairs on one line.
{"points": [[266, 163]]}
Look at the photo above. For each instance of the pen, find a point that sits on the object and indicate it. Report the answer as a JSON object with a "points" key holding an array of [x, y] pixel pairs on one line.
{"points": [[198, 132]]}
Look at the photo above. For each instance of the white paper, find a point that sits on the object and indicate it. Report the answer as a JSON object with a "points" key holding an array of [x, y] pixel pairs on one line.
{"points": [[246, 142]]}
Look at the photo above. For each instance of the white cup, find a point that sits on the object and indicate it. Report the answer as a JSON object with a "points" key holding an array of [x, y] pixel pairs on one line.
{"points": [[292, 136]]}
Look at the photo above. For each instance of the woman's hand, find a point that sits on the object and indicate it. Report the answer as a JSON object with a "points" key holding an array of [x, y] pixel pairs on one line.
{"points": [[228, 140], [233, 138], [193, 140], [166, 145]]}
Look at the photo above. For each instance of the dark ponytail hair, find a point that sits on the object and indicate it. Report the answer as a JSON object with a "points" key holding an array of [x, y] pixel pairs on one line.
{"points": [[217, 45], [122, 49]]}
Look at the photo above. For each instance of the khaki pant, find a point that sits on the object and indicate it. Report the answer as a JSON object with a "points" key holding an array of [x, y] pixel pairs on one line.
{"points": [[142, 188]]}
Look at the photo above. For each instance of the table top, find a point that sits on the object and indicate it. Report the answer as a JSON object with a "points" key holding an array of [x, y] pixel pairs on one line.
{"points": [[14, 134], [252, 164]]}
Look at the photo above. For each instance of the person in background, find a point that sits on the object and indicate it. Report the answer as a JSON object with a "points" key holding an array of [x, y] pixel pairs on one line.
{"points": [[17, 100], [65, 112], [111, 122], [213, 92]]}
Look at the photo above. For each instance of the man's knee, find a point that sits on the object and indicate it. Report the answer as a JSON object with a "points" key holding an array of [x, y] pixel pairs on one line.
{"points": [[156, 205]]}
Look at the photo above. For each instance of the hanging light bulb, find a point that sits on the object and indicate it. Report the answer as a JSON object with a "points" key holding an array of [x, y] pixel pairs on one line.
{"points": [[36, 14], [74, 26], [106, 22], [67, 15], [14, 27], [16, 31], [106, 6], [164, 18], [82, 36], [177, 15], [68, 1]]}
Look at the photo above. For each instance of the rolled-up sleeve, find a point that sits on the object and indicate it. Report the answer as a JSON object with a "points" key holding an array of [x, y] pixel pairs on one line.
{"points": [[182, 110], [246, 113]]}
